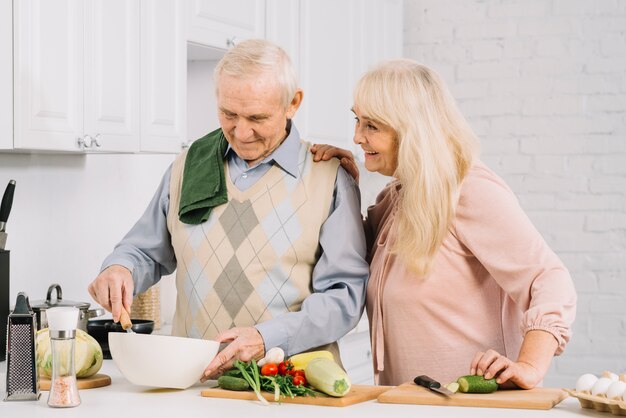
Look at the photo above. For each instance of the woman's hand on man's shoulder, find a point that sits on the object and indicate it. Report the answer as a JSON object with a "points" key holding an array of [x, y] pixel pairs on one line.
{"points": [[324, 152]]}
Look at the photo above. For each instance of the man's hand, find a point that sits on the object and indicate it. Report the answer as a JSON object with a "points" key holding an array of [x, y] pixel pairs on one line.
{"points": [[113, 288], [492, 364], [324, 152], [246, 344]]}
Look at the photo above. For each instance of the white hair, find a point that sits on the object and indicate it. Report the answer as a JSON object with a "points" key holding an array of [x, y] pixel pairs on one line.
{"points": [[436, 150], [255, 57]]}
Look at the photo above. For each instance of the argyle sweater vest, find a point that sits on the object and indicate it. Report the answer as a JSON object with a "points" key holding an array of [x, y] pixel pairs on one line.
{"points": [[253, 259]]}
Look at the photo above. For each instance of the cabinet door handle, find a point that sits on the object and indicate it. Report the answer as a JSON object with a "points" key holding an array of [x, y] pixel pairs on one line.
{"points": [[95, 141], [88, 141], [84, 142], [231, 42]]}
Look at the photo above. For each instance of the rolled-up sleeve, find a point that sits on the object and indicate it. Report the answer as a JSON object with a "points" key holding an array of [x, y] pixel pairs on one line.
{"points": [[339, 280], [146, 250], [493, 226]]}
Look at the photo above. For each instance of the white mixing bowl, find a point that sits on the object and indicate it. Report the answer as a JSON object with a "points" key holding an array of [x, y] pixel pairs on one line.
{"points": [[160, 360]]}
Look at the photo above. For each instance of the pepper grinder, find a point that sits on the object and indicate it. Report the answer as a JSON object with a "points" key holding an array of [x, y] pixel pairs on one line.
{"points": [[62, 323]]}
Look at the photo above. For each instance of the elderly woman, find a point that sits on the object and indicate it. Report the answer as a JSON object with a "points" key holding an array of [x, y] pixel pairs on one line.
{"points": [[460, 280]]}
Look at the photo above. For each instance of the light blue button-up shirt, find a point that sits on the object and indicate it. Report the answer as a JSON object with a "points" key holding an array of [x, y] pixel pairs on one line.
{"points": [[339, 276]]}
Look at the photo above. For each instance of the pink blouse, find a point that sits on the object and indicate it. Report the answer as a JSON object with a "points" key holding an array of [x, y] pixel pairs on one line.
{"points": [[493, 280]]}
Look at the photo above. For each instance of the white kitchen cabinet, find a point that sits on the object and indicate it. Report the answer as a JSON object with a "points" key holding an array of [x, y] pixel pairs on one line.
{"points": [[335, 49], [329, 62], [282, 26], [116, 71], [77, 67], [380, 30], [6, 74], [112, 70], [221, 24], [163, 75], [48, 74]]}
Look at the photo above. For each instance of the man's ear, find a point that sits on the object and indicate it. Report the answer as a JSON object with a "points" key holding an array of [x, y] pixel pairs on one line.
{"points": [[295, 104]]}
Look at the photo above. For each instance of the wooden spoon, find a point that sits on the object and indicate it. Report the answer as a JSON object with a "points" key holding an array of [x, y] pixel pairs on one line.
{"points": [[125, 321]]}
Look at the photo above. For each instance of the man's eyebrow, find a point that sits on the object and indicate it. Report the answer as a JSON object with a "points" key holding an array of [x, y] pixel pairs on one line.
{"points": [[259, 116]]}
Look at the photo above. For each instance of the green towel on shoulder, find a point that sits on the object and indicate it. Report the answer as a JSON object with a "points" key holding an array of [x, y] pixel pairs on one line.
{"points": [[204, 185]]}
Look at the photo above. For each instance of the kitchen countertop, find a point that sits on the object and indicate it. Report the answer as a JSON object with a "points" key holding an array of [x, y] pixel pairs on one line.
{"points": [[122, 399]]}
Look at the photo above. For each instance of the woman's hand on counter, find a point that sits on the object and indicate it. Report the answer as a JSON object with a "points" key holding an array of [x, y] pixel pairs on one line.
{"points": [[491, 364], [531, 366]]}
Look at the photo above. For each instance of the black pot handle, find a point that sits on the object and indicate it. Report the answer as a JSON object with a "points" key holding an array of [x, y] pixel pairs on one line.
{"points": [[57, 287]]}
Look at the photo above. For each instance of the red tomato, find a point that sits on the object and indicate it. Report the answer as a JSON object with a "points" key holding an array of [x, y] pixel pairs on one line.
{"points": [[269, 369], [299, 380], [285, 367], [299, 372]]}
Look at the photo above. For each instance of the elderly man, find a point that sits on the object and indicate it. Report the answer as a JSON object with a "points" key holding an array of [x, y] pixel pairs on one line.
{"points": [[268, 246]]}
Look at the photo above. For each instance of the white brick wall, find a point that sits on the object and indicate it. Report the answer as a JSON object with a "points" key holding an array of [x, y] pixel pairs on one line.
{"points": [[543, 82]]}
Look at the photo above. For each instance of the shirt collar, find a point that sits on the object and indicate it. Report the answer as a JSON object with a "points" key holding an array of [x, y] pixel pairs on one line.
{"points": [[285, 156]]}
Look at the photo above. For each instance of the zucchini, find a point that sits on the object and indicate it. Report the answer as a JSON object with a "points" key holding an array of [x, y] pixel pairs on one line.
{"points": [[232, 383], [300, 361], [476, 384], [326, 376]]}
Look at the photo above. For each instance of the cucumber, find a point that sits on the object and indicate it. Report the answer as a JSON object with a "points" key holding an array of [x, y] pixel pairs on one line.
{"points": [[232, 383], [476, 384], [233, 373], [452, 387]]}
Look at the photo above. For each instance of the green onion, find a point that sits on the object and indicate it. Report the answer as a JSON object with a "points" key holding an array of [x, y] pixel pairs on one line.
{"points": [[253, 382]]}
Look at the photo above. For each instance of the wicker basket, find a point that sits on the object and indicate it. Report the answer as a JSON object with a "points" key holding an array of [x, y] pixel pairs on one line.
{"points": [[147, 305]]}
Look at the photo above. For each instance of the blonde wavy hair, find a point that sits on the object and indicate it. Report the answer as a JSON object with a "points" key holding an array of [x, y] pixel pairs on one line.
{"points": [[436, 148], [258, 56]]}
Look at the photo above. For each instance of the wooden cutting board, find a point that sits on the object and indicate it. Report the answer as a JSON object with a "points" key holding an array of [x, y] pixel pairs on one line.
{"points": [[95, 381], [358, 393], [538, 398]]}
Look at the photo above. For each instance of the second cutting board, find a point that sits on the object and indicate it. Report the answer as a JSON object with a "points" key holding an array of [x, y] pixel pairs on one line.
{"points": [[538, 398], [358, 393]]}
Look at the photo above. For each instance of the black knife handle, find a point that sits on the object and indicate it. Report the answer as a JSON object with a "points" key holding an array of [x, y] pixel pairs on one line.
{"points": [[7, 201], [427, 382]]}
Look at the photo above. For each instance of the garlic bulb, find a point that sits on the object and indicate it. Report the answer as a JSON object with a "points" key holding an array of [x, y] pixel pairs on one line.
{"points": [[586, 382], [601, 386], [616, 390], [274, 355]]}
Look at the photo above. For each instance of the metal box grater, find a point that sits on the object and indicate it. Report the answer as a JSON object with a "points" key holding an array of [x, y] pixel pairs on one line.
{"points": [[22, 377], [4, 301]]}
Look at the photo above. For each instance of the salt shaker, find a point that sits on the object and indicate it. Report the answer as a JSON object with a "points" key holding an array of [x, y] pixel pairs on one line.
{"points": [[62, 323]]}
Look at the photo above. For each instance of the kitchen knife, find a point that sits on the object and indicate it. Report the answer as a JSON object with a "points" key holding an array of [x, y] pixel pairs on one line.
{"points": [[5, 210], [432, 384]]}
